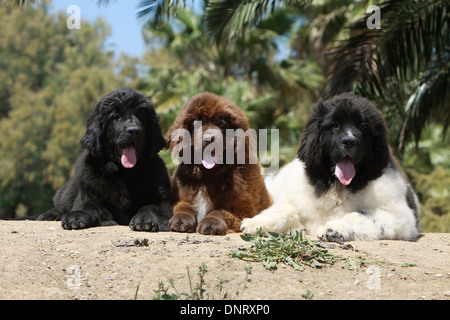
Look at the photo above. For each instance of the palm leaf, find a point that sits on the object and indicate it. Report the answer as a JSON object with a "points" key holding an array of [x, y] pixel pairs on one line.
{"points": [[160, 11], [228, 19], [412, 46], [16, 3], [104, 2], [412, 33], [431, 91]]}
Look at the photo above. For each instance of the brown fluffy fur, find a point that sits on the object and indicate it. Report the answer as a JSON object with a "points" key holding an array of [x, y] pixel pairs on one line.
{"points": [[226, 193]]}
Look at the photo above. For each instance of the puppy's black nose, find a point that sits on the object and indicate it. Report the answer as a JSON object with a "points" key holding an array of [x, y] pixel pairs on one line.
{"points": [[133, 130], [349, 141]]}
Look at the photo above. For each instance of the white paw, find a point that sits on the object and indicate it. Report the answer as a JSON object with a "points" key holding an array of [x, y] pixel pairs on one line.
{"points": [[251, 225]]}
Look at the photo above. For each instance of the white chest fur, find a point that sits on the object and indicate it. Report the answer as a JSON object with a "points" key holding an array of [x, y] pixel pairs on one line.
{"points": [[202, 204]]}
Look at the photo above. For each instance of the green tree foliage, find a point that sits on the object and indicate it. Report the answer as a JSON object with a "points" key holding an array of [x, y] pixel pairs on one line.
{"points": [[404, 66], [233, 48], [428, 166], [50, 80], [183, 61]]}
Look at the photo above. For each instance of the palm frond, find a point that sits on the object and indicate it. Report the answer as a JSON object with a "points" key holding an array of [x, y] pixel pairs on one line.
{"points": [[431, 91], [16, 3], [417, 32], [412, 46], [411, 34], [104, 2], [228, 19], [160, 11], [20, 3]]}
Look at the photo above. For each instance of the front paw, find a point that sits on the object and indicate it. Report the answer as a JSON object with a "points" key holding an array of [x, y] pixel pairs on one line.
{"points": [[78, 220], [182, 222], [51, 215], [331, 235], [251, 226], [144, 221], [212, 226]]}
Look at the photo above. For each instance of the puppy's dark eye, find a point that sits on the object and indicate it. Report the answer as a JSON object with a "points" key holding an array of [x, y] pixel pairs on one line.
{"points": [[336, 125], [116, 116]]}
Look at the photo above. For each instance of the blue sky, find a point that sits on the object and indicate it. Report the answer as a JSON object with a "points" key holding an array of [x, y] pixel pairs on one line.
{"points": [[121, 16], [126, 30]]}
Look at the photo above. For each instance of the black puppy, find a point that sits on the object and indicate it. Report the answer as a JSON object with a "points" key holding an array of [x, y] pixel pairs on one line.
{"points": [[119, 176]]}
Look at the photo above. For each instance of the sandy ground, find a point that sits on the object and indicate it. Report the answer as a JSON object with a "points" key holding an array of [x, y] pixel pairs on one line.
{"points": [[40, 260]]}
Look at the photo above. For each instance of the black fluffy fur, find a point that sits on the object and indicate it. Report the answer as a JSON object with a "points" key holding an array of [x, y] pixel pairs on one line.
{"points": [[322, 142], [102, 191]]}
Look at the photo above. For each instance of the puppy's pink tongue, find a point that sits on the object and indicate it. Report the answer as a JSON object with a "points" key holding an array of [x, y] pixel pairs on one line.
{"points": [[345, 171], [128, 158], [209, 161]]}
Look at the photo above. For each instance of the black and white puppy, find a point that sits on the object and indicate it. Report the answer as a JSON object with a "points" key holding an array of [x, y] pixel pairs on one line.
{"points": [[345, 184], [119, 176]]}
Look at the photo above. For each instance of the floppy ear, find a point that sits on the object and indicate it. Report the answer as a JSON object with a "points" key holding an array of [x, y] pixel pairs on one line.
{"points": [[155, 135], [179, 123], [379, 155], [310, 151], [91, 140]]}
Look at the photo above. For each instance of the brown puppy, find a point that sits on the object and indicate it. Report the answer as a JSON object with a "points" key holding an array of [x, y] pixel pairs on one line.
{"points": [[218, 182]]}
